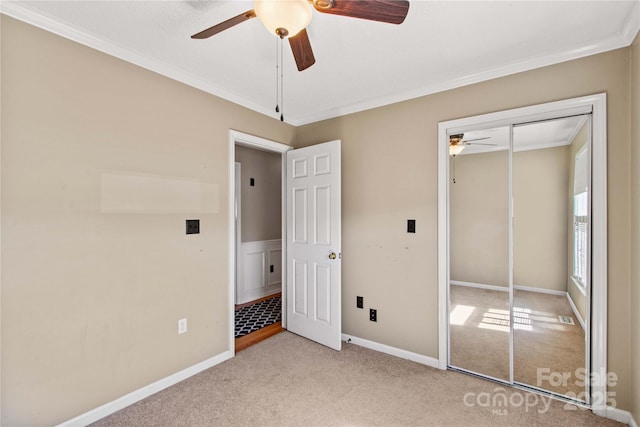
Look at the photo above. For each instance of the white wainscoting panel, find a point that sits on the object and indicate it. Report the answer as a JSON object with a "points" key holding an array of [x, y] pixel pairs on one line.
{"points": [[255, 279], [274, 258]]}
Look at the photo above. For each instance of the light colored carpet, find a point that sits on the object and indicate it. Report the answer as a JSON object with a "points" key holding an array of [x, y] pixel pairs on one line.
{"points": [[479, 337], [479, 331], [290, 381], [542, 341]]}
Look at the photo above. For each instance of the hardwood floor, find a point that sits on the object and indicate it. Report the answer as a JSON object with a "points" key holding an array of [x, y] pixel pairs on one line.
{"points": [[261, 334], [257, 336], [247, 304]]}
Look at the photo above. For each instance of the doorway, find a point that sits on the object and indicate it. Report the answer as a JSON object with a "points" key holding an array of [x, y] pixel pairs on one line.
{"points": [[257, 294], [522, 248], [311, 235], [258, 207]]}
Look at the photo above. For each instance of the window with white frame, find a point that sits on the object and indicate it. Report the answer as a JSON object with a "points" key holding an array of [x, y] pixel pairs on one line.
{"points": [[581, 216]]}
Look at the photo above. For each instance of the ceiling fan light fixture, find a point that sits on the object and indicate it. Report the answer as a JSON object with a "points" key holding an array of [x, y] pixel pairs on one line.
{"points": [[284, 18], [323, 4], [454, 150]]}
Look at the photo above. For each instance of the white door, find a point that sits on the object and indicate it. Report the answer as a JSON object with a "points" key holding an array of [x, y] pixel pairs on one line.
{"points": [[313, 243]]}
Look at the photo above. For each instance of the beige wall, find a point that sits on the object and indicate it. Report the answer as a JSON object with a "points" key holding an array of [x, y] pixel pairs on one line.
{"points": [[479, 218], [540, 182], [261, 204], [635, 229], [102, 162], [396, 272]]}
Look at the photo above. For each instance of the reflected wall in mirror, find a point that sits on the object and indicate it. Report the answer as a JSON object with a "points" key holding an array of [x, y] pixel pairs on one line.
{"points": [[550, 199], [479, 335]]}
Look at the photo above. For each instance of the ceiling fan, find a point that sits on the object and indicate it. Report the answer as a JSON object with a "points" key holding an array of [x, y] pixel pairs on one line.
{"points": [[457, 143], [289, 19]]}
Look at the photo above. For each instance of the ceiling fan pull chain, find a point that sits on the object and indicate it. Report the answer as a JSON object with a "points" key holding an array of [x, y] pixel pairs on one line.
{"points": [[281, 81], [277, 81], [453, 164]]}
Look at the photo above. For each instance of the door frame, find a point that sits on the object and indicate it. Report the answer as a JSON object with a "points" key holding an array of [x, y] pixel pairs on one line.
{"points": [[237, 215], [258, 143], [597, 105]]}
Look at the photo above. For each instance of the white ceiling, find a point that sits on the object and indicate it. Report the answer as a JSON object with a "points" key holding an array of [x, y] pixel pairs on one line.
{"points": [[359, 64]]}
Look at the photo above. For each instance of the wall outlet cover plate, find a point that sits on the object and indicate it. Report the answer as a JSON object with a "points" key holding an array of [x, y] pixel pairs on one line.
{"points": [[193, 226]]}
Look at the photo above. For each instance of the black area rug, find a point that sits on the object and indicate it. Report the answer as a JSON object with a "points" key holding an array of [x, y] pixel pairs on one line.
{"points": [[250, 319]]}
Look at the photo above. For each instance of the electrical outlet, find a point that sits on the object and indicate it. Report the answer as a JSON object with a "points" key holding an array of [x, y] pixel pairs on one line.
{"points": [[359, 302], [182, 326], [373, 314], [411, 226]]}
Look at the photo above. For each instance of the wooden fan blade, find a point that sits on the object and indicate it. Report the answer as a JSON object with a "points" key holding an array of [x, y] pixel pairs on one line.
{"points": [[212, 31], [389, 11], [302, 52]]}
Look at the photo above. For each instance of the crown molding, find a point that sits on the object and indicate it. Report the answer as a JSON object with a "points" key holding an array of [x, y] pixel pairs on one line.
{"points": [[631, 27], [623, 38], [20, 12]]}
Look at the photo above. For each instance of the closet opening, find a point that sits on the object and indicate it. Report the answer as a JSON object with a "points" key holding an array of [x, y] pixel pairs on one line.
{"points": [[522, 248]]}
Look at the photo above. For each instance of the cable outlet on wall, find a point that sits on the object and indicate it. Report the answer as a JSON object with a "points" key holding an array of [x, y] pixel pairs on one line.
{"points": [[182, 326], [193, 226]]}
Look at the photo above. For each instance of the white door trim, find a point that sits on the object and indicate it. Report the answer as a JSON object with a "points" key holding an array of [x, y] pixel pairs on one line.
{"points": [[237, 214], [246, 140], [596, 104]]}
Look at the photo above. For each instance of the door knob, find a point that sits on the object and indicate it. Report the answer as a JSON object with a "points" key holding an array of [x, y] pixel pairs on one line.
{"points": [[332, 255]]}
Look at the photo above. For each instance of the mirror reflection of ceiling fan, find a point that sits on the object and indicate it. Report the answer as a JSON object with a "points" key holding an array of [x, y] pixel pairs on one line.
{"points": [[457, 143], [289, 19]]}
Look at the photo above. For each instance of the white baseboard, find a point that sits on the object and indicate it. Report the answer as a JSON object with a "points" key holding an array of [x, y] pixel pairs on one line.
{"points": [[576, 312], [539, 290], [506, 288], [393, 351], [480, 286], [146, 391], [619, 415]]}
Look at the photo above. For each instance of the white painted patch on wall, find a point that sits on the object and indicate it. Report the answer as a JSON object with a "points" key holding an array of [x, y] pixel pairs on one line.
{"points": [[127, 192]]}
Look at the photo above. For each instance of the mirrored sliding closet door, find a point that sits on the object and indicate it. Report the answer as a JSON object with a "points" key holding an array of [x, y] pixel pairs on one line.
{"points": [[479, 261], [551, 199], [519, 253]]}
